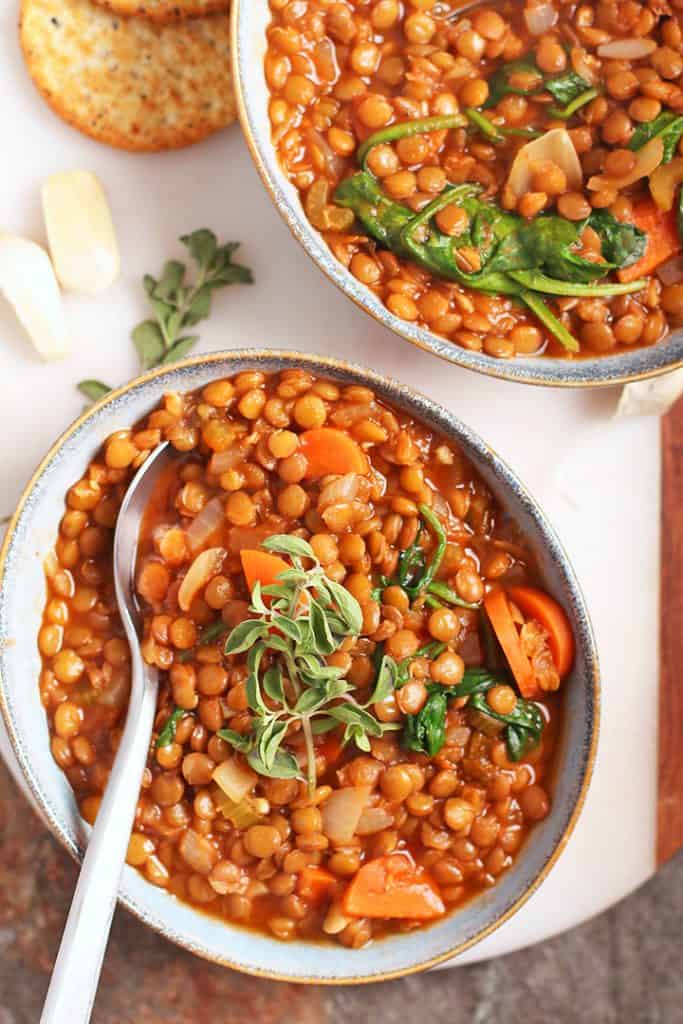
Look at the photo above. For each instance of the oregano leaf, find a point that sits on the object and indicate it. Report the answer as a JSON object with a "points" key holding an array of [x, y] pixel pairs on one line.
{"points": [[245, 635], [272, 684], [149, 342], [93, 389], [284, 766], [180, 349], [287, 544], [236, 739], [171, 279], [202, 245]]}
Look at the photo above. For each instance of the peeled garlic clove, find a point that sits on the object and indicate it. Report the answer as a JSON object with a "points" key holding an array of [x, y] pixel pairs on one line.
{"points": [[28, 282], [556, 146], [80, 232], [648, 158]]}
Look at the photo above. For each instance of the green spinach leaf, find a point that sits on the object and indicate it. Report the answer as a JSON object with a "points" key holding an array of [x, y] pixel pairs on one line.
{"points": [[382, 218], [566, 89], [487, 128], [500, 84], [515, 257], [667, 126], [622, 243], [524, 725], [475, 680], [425, 732], [93, 389], [167, 734], [411, 563], [404, 129], [564, 113]]}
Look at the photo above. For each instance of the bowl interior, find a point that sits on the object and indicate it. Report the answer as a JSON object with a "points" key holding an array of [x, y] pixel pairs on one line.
{"points": [[22, 595], [250, 20]]}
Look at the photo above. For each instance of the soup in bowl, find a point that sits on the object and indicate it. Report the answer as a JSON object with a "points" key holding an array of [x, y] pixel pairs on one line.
{"points": [[377, 710], [499, 184]]}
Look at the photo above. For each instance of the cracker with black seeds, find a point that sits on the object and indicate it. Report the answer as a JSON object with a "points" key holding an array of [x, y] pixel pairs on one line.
{"points": [[165, 10], [129, 82]]}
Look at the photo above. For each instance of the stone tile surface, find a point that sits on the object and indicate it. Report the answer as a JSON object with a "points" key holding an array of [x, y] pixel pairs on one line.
{"points": [[624, 967]]}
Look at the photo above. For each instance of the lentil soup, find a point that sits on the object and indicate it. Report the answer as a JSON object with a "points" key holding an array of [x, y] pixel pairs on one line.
{"points": [[505, 175], [360, 668]]}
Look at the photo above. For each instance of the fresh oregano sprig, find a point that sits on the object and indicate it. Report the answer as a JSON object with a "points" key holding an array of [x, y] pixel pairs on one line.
{"points": [[178, 305], [289, 680]]}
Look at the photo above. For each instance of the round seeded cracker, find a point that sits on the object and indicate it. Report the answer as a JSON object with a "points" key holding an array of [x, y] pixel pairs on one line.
{"points": [[130, 82], [165, 10]]}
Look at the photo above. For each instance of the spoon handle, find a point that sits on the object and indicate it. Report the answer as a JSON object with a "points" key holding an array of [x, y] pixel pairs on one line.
{"points": [[76, 974]]}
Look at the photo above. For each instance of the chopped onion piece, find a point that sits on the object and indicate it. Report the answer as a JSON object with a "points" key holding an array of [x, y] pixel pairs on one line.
{"points": [[341, 490], [671, 271], [647, 159], [458, 735], [325, 60], [116, 693], [441, 506], [205, 566], [664, 181], [235, 779], [373, 820], [341, 812], [228, 459], [584, 65], [338, 219], [540, 19], [253, 536], [320, 212], [334, 165], [198, 852], [470, 649], [315, 203], [336, 920], [651, 397], [555, 145], [80, 232], [205, 524], [28, 282], [627, 49], [349, 414]]}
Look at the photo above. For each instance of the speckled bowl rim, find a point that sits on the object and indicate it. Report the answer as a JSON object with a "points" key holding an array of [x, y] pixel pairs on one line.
{"points": [[179, 377], [582, 373]]}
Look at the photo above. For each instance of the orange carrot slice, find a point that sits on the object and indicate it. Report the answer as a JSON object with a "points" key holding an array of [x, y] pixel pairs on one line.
{"points": [[498, 611], [393, 886], [331, 451], [536, 604], [662, 239], [316, 884], [331, 748], [261, 566]]}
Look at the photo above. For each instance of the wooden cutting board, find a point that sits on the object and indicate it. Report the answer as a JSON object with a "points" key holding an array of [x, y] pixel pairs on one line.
{"points": [[670, 755]]}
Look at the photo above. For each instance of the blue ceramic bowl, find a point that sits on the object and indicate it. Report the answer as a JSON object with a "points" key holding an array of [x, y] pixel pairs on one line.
{"points": [[250, 19], [32, 534]]}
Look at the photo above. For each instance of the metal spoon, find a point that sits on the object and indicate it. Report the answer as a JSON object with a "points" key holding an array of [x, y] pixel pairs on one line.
{"points": [[76, 973]]}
